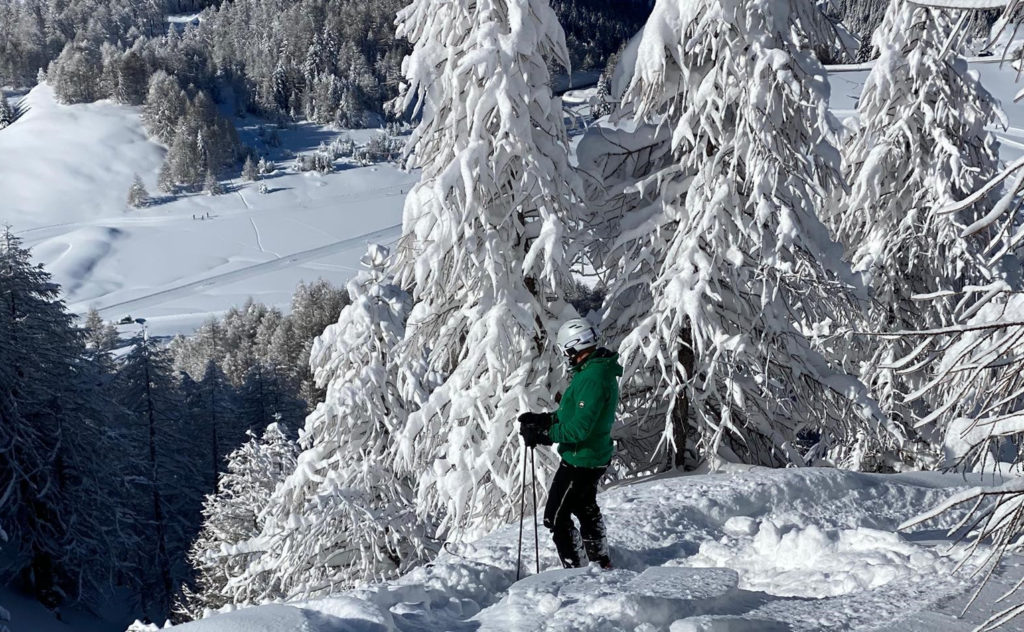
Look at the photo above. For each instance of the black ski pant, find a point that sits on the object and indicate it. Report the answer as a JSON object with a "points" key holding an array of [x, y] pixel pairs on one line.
{"points": [[574, 493]]}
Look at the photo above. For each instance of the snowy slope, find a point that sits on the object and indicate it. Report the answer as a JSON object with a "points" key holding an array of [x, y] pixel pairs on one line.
{"points": [[65, 192], [750, 549]]}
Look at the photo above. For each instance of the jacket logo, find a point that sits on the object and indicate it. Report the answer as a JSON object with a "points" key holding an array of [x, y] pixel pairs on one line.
{"points": [[581, 404]]}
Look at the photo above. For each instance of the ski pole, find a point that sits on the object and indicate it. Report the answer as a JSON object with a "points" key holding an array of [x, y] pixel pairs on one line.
{"points": [[522, 510], [536, 536]]}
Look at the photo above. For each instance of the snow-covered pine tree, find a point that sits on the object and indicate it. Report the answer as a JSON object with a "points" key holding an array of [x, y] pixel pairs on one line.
{"points": [[344, 515], [138, 196], [147, 392], [131, 76], [6, 112], [165, 104], [213, 407], [269, 395], [743, 270], [921, 144], [315, 306], [249, 171], [53, 423], [975, 386], [483, 249], [100, 336], [231, 517], [211, 185], [75, 74]]}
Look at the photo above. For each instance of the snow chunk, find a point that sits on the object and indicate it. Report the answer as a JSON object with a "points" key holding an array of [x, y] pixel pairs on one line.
{"points": [[809, 561], [739, 526], [351, 615]]}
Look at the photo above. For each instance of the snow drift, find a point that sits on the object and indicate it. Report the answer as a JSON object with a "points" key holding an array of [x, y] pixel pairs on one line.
{"points": [[746, 549]]}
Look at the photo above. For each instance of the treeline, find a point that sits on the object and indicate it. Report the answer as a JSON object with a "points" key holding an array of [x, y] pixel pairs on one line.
{"points": [[107, 460], [862, 17], [328, 61]]}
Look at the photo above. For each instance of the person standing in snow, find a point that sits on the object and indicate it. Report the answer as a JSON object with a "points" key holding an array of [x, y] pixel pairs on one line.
{"points": [[582, 429]]}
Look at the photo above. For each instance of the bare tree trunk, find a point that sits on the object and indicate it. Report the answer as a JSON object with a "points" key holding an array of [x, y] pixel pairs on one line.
{"points": [[681, 412]]}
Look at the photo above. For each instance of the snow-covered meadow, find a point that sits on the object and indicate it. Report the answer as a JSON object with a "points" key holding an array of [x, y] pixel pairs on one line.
{"points": [[177, 262]]}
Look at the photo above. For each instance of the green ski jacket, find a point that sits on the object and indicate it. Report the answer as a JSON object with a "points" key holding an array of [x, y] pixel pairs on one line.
{"points": [[583, 423]]}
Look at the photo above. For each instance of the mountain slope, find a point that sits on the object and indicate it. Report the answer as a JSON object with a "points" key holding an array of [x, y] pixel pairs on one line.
{"points": [[747, 549]]}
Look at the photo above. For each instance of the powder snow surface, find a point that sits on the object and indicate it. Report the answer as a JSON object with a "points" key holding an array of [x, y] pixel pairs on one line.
{"points": [[745, 550], [65, 173]]}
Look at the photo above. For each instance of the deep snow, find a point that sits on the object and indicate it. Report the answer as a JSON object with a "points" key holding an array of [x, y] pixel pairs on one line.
{"points": [[744, 549]]}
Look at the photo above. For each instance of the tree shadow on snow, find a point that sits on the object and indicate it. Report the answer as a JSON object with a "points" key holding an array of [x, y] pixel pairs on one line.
{"points": [[640, 559]]}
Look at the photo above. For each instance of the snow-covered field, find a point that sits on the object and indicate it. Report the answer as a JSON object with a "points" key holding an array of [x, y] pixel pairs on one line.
{"points": [[65, 175], [743, 550]]}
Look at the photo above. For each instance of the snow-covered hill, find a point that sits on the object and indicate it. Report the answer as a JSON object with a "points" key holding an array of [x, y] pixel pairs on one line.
{"points": [[65, 176], [742, 550]]}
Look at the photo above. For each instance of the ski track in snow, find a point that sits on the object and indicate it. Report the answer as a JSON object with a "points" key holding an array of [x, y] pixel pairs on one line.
{"points": [[113, 309], [259, 239], [749, 550]]}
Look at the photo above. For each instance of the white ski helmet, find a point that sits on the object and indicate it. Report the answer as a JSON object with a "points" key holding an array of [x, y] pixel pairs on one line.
{"points": [[575, 335]]}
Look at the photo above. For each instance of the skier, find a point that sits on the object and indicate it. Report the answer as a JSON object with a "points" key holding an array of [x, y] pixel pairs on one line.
{"points": [[582, 429]]}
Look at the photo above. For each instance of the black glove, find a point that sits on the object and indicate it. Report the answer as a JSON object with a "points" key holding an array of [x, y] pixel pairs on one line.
{"points": [[534, 428], [535, 435], [538, 420]]}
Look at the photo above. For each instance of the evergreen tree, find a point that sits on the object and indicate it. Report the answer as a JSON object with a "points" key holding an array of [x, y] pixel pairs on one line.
{"points": [[213, 407], [192, 354], [974, 386], [165, 105], [740, 267], [6, 112], [148, 393], [53, 425], [483, 250], [232, 516], [212, 186], [131, 76], [344, 515], [100, 337], [75, 74], [185, 157], [267, 396], [922, 144], [165, 180], [34, 336], [249, 171], [314, 307], [138, 196]]}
